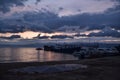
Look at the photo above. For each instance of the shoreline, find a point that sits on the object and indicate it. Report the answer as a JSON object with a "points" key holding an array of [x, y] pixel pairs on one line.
{"points": [[107, 68]]}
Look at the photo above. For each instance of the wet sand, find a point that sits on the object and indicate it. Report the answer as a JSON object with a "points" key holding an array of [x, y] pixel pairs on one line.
{"points": [[107, 68]]}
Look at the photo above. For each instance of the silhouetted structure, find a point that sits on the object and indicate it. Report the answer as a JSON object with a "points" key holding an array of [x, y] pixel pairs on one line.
{"points": [[62, 48]]}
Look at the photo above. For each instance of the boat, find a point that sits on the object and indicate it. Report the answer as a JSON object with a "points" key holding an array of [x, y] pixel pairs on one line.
{"points": [[85, 52], [95, 52], [118, 48], [107, 51], [39, 48]]}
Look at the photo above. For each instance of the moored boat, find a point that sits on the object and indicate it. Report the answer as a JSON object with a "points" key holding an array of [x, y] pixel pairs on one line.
{"points": [[95, 52], [39, 48]]}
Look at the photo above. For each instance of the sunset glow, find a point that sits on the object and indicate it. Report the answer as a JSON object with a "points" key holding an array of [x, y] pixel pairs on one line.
{"points": [[60, 34], [31, 34]]}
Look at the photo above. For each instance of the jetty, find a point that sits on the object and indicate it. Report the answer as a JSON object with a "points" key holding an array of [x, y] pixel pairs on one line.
{"points": [[62, 48]]}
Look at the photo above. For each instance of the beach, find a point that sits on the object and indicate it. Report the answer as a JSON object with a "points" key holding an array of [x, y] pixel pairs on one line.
{"points": [[107, 68]]}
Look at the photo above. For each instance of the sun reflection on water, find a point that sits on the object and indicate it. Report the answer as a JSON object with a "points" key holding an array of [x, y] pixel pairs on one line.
{"points": [[30, 54]]}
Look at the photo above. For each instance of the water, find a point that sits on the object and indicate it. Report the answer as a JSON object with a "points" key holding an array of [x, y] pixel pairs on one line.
{"points": [[31, 55]]}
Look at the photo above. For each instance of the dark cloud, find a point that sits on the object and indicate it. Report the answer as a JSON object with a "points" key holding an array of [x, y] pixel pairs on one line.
{"points": [[11, 37], [43, 37], [106, 32], [37, 1], [47, 21], [61, 8], [10, 28], [79, 10], [50, 22], [5, 5], [78, 35], [40, 37], [101, 34], [60, 37]]}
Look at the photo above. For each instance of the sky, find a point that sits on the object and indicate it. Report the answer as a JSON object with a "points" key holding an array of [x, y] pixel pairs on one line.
{"points": [[61, 17], [60, 7]]}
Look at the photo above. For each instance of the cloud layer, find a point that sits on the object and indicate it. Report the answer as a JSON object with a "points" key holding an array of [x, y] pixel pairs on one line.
{"points": [[59, 16], [60, 7]]}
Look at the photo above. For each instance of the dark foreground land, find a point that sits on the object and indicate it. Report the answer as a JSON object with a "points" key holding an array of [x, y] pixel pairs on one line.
{"points": [[107, 68]]}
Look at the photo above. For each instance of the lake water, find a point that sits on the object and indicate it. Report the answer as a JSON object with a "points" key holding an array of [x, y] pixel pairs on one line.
{"points": [[31, 55]]}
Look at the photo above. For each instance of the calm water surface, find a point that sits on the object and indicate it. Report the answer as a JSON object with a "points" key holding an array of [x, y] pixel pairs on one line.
{"points": [[31, 55]]}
